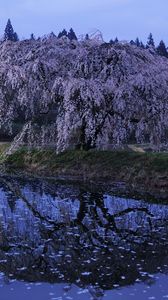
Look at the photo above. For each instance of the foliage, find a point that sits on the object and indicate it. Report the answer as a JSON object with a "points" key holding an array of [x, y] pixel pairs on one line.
{"points": [[32, 37], [150, 42], [71, 35], [161, 49], [83, 94], [9, 34], [63, 33]]}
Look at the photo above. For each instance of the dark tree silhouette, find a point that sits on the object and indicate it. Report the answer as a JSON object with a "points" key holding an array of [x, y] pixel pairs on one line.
{"points": [[132, 42], [15, 37], [32, 37], [161, 49], [71, 35], [137, 42], [116, 40], [87, 37], [150, 41], [10, 34], [52, 34], [142, 45], [62, 33], [111, 42]]}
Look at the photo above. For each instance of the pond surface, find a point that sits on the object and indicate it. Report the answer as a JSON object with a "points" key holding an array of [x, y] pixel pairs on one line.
{"points": [[61, 241]]}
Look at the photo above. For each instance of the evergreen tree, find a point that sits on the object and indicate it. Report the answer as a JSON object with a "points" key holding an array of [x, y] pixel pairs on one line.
{"points": [[32, 37], [150, 42], [15, 37], [142, 45], [137, 42], [132, 42], [71, 35], [87, 37], [111, 42], [62, 33], [161, 49], [116, 40], [52, 34], [9, 34]]}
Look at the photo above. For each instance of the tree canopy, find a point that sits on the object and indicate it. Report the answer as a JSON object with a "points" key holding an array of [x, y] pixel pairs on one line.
{"points": [[150, 41], [72, 35], [10, 34], [161, 49]]}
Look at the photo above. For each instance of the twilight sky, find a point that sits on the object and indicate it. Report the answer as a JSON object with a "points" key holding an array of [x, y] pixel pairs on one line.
{"points": [[126, 19]]}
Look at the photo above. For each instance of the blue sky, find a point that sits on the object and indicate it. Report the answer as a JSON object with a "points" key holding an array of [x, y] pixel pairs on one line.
{"points": [[126, 19]]}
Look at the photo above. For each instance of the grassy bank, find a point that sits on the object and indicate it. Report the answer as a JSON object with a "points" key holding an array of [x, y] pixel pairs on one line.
{"points": [[3, 147], [147, 171]]}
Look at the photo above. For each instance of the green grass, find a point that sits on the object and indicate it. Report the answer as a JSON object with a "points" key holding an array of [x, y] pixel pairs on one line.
{"points": [[3, 148], [140, 171], [93, 161], [145, 172]]}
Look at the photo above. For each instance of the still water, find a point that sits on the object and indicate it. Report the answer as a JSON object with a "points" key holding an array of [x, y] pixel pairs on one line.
{"points": [[61, 241]]}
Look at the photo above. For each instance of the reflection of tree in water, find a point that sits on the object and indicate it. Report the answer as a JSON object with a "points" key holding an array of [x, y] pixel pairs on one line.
{"points": [[80, 241]]}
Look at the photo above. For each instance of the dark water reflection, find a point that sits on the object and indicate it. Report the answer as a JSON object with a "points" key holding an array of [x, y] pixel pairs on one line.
{"points": [[64, 242]]}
